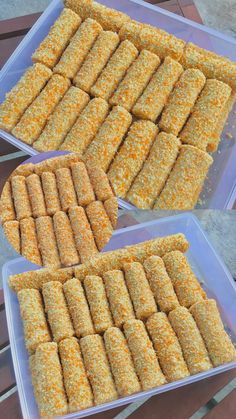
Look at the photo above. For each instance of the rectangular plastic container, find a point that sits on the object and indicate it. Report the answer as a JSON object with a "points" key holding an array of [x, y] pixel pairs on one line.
{"points": [[220, 188], [209, 268]]}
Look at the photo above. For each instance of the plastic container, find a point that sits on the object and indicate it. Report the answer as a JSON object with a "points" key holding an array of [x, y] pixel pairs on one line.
{"points": [[207, 265], [220, 188]]}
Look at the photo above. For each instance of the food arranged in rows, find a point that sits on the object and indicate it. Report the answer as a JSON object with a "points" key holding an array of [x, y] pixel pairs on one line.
{"points": [[58, 212], [124, 322], [104, 86]]}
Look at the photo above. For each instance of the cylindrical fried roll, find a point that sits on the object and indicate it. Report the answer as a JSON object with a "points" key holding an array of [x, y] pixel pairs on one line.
{"points": [[34, 321], [140, 291], [86, 126], [115, 70], [15, 103], [65, 239], [47, 242], [26, 169], [98, 369], [77, 386], [62, 120], [65, 188], [144, 357], [194, 350], [100, 223], [35, 117], [156, 169], [83, 236], [205, 114], [96, 60], [121, 363], [185, 283], [118, 296], [135, 81], [181, 101], [218, 343], [78, 308], [131, 30], [81, 7], [54, 163], [131, 156], [20, 197], [82, 184], [48, 381], [155, 96], [160, 284], [100, 183], [103, 148], [111, 207], [98, 304], [36, 197], [74, 55], [29, 242], [35, 279], [50, 192], [167, 347], [7, 210], [12, 233], [51, 48], [186, 179], [57, 311]]}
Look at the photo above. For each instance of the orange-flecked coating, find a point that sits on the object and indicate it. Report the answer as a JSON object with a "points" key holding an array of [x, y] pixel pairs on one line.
{"points": [[29, 242], [218, 343], [104, 146], [65, 240], [50, 192], [205, 114], [65, 188], [26, 169], [139, 290], [62, 120], [82, 184], [181, 101], [22, 95], [211, 64], [184, 281], [83, 235], [144, 357], [74, 55], [100, 183], [36, 279], [190, 339], [7, 210], [20, 197], [57, 311], [96, 60], [86, 126], [80, 7], [78, 308], [155, 96], [12, 233], [131, 31], [118, 296], [121, 363], [98, 304], [35, 117], [115, 70], [111, 208], [135, 80], [160, 284], [167, 347], [131, 156], [48, 381], [36, 197], [185, 182], [76, 383], [156, 169], [47, 242], [51, 48], [51, 165], [100, 223], [33, 317]]}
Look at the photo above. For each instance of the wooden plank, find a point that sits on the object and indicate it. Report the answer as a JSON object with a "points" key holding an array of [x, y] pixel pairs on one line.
{"points": [[10, 407], [171, 6], [189, 10], [6, 148], [1, 298], [6, 167], [4, 338], [7, 47], [7, 376], [226, 408], [17, 26]]}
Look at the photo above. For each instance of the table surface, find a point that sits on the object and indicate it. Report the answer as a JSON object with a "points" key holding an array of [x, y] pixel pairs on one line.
{"points": [[177, 404]]}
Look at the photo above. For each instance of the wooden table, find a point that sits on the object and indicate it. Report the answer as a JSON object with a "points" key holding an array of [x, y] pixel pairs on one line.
{"points": [[177, 404]]}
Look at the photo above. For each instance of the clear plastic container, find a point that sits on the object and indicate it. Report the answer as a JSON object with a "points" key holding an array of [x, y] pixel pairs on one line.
{"points": [[209, 268], [220, 188]]}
